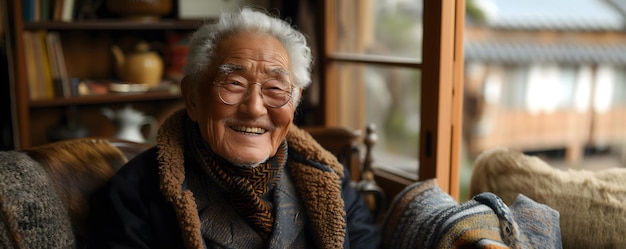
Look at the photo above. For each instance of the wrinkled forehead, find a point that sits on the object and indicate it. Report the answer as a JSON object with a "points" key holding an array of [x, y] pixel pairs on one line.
{"points": [[250, 50], [230, 68]]}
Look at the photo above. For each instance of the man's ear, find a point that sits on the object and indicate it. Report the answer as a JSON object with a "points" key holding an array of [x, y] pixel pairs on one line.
{"points": [[188, 90]]}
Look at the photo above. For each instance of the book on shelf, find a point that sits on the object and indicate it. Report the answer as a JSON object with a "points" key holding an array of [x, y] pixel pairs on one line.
{"points": [[62, 85], [57, 12], [31, 71], [48, 10], [28, 10], [43, 65], [54, 67], [35, 10], [67, 12], [45, 9]]}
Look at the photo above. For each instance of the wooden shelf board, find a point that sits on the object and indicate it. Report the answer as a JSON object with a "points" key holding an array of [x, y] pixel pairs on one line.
{"points": [[104, 99], [116, 24]]}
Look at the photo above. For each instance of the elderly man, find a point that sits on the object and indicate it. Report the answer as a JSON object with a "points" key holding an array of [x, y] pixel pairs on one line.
{"points": [[231, 170]]}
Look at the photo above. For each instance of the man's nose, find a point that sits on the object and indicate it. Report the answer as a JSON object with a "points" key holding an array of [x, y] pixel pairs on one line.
{"points": [[253, 103]]}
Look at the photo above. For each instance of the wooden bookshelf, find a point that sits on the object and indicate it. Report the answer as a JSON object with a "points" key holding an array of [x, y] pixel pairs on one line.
{"points": [[86, 48]]}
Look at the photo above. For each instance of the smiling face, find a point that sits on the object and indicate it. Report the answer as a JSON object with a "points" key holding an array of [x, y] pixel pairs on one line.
{"points": [[250, 132]]}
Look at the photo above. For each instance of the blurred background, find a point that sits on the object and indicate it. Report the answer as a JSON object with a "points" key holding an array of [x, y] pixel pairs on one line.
{"points": [[546, 77]]}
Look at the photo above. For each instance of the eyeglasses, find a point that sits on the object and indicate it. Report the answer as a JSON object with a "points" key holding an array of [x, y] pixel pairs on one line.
{"points": [[234, 89]]}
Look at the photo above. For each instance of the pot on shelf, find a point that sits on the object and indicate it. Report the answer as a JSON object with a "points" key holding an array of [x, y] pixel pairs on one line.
{"points": [[140, 66], [141, 10]]}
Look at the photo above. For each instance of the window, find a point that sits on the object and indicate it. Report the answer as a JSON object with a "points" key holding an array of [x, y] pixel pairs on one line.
{"points": [[398, 64]]}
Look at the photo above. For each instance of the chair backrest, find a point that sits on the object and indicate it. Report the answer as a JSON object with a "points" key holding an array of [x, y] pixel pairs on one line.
{"points": [[343, 142], [77, 167], [346, 144], [130, 149]]}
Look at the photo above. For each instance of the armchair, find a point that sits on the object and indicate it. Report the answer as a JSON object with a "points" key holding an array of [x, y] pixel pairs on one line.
{"points": [[76, 168], [34, 215]]}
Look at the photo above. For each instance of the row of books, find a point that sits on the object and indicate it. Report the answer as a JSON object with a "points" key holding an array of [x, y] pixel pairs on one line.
{"points": [[45, 65], [48, 10]]}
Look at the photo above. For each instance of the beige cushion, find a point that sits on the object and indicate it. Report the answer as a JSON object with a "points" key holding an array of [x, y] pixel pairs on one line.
{"points": [[592, 204]]}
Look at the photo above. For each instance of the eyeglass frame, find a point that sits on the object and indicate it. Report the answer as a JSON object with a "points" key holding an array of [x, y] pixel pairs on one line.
{"points": [[217, 84]]}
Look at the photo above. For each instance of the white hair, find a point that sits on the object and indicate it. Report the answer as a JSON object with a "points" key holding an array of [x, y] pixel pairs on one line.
{"points": [[204, 41]]}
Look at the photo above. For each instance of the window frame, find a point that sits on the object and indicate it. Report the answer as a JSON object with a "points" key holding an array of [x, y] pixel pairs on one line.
{"points": [[442, 78]]}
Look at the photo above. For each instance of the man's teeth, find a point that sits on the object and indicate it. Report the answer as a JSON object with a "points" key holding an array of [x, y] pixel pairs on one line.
{"points": [[253, 130]]}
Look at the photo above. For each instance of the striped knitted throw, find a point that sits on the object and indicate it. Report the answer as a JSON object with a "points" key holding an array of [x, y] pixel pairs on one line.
{"points": [[423, 216]]}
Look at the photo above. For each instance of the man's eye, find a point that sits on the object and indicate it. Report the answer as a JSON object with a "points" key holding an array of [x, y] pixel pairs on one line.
{"points": [[234, 86], [235, 80], [234, 83], [276, 85], [273, 88]]}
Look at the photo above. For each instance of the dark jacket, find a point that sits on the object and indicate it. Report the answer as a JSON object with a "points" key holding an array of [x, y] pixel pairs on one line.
{"points": [[146, 204]]}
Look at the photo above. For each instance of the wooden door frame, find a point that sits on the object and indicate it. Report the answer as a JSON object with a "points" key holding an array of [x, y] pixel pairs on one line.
{"points": [[442, 90], [442, 79]]}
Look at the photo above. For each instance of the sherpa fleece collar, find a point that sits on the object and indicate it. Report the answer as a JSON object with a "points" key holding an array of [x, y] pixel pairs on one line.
{"points": [[317, 174]]}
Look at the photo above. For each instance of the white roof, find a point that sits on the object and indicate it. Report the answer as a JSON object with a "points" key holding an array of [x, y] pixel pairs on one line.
{"points": [[553, 14]]}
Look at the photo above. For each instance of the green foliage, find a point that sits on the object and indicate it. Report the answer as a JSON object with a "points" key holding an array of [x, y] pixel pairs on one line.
{"points": [[395, 30], [474, 12], [402, 140]]}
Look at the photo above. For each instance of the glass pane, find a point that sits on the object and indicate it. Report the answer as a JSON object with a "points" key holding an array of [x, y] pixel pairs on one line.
{"points": [[389, 28], [562, 99], [391, 97]]}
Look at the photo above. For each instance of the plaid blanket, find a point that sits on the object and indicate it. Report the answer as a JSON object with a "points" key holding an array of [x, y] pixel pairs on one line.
{"points": [[423, 216]]}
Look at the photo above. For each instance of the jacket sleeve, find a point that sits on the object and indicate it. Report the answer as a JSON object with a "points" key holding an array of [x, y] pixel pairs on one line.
{"points": [[363, 232], [130, 212]]}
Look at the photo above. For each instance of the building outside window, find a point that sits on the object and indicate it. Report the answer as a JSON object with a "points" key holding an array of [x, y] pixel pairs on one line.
{"points": [[544, 79]]}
